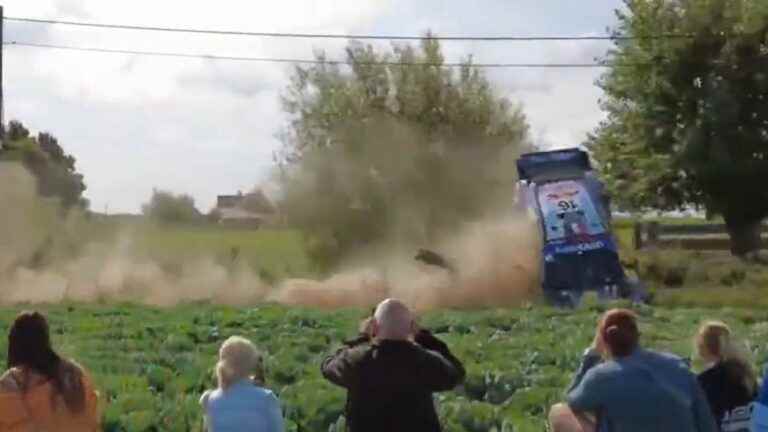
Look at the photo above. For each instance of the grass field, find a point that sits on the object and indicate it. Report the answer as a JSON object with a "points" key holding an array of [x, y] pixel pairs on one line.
{"points": [[151, 365], [279, 252]]}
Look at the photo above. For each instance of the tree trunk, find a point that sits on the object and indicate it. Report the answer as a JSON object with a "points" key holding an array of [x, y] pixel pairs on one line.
{"points": [[745, 237]]}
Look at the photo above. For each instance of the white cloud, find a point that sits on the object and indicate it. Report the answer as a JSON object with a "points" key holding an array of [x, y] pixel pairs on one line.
{"points": [[189, 125], [205, 127], [561, 104]]}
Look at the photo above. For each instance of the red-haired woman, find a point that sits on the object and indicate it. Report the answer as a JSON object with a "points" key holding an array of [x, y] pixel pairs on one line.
{"points": [[623, 387], [42, 391]]}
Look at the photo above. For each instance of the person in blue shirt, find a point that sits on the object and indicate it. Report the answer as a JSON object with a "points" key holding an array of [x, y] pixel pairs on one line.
{"points": [[622, 387], [762, 394], [241, 402]]}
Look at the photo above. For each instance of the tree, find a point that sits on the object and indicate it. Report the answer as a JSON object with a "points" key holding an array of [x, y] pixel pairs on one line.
{"points": [[385, 150], [167, 207], [687, 120], [53, 168]]}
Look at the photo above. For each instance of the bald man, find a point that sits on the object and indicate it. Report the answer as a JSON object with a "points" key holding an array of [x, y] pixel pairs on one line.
{"points": [[391, 372]]}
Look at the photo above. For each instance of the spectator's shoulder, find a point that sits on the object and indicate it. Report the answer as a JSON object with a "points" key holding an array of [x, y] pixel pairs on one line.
{"points": [[73, 373], [206, 397], [429, 352], [268, 395], [8, 383], [595, 379], [671, 357], [660, 357], [348, 355], [664, 356], [358, 352], [360, 339], [603, 370], [707, 374]]}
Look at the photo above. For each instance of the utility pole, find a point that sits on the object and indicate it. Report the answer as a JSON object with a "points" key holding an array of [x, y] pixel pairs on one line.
{"points": [[2, 100]]}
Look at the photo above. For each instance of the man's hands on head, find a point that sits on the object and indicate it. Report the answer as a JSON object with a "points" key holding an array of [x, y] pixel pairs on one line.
{"points": [[427, 340], [419, 335], [598, 344], [365, 333], [415, 329], [367, 327]]}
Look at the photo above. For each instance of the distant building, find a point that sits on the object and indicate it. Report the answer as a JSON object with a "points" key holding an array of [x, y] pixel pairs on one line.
{"points": [[251, 210], [228, 201]]}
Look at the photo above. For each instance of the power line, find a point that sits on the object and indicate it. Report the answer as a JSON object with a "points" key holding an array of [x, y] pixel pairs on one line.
{"points": [[300, 61], [341, 36]]}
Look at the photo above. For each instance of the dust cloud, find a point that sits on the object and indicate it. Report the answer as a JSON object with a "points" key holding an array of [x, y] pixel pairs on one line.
{"points": [[109, 273], [43, 260], [496, 263]]}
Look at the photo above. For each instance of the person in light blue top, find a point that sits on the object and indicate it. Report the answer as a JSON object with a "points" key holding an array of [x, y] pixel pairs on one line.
{"points": [[631, 389], [241, 403]]}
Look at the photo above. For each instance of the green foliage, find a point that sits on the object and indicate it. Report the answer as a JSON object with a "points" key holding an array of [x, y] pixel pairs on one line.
{"points": [[53, 168], [690, 278], [381, 152], [151, 365], [166, 207], [687, 115]]}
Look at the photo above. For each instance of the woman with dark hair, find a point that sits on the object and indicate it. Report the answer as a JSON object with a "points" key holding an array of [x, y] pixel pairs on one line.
{"points": [[623, 387], [42, 391]]}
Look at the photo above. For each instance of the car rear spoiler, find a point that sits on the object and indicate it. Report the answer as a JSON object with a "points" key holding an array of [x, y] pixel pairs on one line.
{"points": [[551, 165]]}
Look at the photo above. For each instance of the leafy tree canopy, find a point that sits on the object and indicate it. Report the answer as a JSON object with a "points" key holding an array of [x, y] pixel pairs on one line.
{"points": [[167, 207], [687, 116], [53, 168], [387, 151]]}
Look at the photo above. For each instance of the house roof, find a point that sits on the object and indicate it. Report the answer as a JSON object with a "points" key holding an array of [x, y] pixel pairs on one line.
{"points": [[254, 202], [228, 201]]}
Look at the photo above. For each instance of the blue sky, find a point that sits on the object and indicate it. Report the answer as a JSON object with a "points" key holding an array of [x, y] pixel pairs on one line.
{"points": [[204, 128]]}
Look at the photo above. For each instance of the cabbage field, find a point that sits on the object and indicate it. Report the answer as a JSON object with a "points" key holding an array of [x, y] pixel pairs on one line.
{"points": [[152, 364]]}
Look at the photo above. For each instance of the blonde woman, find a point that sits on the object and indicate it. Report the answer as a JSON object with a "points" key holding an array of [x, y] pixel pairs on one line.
{"points": [[241, 403], [729, 380]]}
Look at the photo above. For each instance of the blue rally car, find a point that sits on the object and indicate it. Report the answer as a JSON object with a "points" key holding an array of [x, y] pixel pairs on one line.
{"points": [[579, 251]]}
